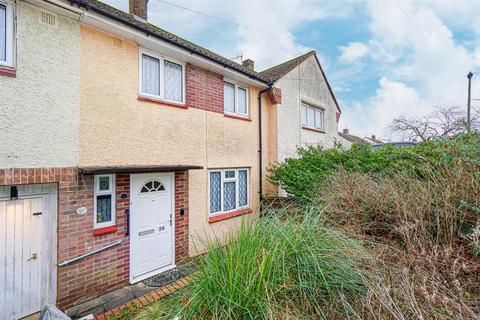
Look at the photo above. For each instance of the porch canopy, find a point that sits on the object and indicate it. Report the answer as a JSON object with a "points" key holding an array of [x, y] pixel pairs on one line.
{"points": [[135, 169]]}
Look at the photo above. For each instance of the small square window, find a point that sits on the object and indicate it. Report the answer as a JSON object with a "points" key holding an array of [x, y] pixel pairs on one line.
{"points": [[230, 174], [104, 183], [104, 201]]}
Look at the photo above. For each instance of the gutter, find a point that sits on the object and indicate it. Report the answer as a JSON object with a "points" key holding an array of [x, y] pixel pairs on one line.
{"points": [[260, 147], [88, 6]]}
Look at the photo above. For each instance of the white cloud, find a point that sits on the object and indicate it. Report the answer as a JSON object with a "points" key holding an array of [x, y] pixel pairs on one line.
{"points": [[426, 65], [353, 51], [260, 30], [391, 100]]}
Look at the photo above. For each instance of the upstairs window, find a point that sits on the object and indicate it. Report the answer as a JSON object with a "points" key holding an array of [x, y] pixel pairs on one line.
{"points": [[235, 99], [104, 201], [312, 117], [6, 33], [161, 78]]}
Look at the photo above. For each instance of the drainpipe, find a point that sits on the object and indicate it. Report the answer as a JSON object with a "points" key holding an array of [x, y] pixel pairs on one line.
{"points": [[260, 147]]}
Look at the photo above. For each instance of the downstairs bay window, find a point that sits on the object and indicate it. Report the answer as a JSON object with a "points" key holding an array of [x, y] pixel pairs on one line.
{"points": [[228, 190], [104, 201]]}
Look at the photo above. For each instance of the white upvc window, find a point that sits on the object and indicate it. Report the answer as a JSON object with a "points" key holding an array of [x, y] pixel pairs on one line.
{"points": [[7, 33], [228, 190], [161, 78], [312, 117], [235, 99], [104, 200]]}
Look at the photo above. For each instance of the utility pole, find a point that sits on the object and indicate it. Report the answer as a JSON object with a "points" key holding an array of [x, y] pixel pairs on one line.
{"points": [[469, 76]]}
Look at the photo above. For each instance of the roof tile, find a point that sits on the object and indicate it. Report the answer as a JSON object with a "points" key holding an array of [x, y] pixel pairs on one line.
{"points": [[127, 18]]}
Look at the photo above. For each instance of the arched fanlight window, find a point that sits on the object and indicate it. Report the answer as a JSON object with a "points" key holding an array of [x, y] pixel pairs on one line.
{"points": [[152, 186]]}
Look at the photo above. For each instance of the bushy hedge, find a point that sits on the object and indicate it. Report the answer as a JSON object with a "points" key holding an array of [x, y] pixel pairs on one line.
{"points": [[301, 177]]}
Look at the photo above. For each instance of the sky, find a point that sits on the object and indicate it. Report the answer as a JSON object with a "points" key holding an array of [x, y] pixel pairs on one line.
{"points": [[383, 58]]}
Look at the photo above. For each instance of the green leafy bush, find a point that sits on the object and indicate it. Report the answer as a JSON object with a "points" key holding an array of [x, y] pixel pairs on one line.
{"points": [[303, 176]]}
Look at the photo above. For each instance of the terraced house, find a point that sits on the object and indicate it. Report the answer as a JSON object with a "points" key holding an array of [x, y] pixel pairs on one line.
{"points": [[122, 149]]}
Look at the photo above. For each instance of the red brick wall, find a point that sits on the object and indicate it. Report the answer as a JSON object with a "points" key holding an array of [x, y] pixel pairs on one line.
{"points": [[36, 175], [107, 270], [99, 273], [204, 89], [275, 95], [181, 222]]}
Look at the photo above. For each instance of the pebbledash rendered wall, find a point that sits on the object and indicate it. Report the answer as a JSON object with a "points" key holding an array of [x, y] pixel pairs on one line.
{"points": [[138, 132], [304, 83], [39, 106]]}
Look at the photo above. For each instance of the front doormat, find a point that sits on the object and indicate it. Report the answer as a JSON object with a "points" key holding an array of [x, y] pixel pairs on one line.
{"points": [[170, 276]]}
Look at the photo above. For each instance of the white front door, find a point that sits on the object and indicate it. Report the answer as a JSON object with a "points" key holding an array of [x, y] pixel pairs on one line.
{"points": [[23, 254], [151, 224]]}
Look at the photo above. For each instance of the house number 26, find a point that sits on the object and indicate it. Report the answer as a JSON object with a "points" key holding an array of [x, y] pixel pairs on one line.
{"points": [[161, 228]]}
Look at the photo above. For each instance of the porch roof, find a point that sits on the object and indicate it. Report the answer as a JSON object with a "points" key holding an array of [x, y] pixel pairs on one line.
{"points": [[135, 169]]}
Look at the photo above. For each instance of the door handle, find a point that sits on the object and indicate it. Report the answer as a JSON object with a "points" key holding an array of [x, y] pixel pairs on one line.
{"points": [[33, 257]]}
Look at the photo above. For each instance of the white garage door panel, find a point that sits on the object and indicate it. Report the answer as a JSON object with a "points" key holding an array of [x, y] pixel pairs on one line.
{"points": [[20, 286], [27, 284]]}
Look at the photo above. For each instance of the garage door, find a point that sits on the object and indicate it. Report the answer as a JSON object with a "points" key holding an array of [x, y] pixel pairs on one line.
{"points": [[25, 255]]}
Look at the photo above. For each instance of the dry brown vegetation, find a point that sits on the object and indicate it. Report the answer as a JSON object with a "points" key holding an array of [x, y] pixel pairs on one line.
{"points": [[424, 232]]}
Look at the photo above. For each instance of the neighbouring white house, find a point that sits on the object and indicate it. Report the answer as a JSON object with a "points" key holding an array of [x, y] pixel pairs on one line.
{"points": [[309, 112]]}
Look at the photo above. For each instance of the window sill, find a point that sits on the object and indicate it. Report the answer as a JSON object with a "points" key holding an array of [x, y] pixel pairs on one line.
{"points": [[229, 215], [9, 72], [162, 102], [313, 129], [104, 230], [234, 116]]}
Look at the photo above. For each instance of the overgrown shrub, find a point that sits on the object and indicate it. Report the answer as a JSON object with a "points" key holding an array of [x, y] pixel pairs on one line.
{"points": [[303, 176], [418, 208]]}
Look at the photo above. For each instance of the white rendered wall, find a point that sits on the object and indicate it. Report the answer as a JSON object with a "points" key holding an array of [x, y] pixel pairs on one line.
{"points": [[39, 107], [304, 83]]}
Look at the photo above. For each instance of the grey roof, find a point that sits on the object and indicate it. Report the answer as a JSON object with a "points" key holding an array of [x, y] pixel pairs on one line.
{"points": [[352, 138], [276, 72], [161, 34]]}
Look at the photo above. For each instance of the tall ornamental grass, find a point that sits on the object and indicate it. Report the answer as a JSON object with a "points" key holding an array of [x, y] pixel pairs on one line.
{"points": [[280, 267]]}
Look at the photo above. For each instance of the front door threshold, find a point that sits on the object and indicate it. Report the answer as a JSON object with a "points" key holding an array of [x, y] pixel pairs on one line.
{"points": [[151, 273]]}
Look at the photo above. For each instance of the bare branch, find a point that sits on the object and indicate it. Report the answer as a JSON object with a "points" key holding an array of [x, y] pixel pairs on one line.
{"points": [[442, 122]]}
